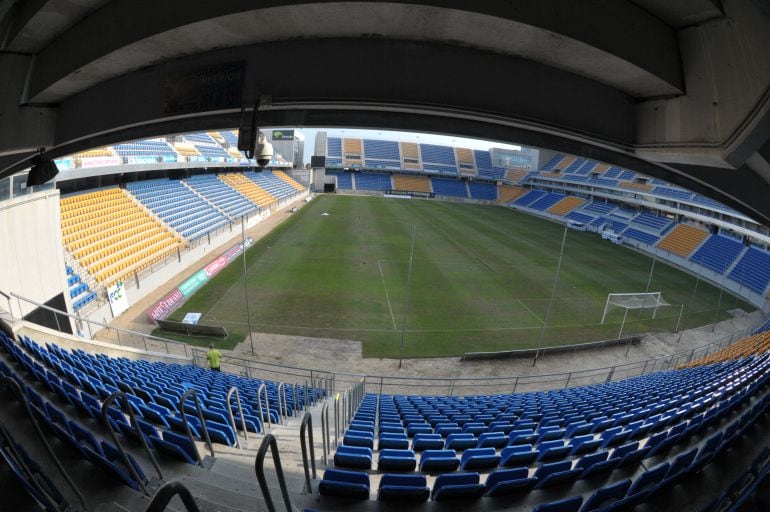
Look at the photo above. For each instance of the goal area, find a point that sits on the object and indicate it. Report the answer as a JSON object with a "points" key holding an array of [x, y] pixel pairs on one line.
{"points": [[637, 300]]}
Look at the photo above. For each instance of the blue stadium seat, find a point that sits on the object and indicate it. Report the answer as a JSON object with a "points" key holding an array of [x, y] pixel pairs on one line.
{"points": [[403, 488], [439, 460], [479, 458], [556, 473], [565, 505], [396, 460], [457, 486], [344, 484], [518, 455], [606, 495], [506, 482], [355, 457]]}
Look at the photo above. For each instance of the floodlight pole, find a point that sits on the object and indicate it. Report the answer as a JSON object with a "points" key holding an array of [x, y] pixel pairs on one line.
{"points": [[719, 301], [245, 287], [679, 321], [622, 324], [547, 319], [649, 279], [406, 298]]}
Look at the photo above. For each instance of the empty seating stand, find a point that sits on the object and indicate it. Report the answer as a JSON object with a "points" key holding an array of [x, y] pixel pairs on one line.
{"points": [[753, 270], [641, 236], [179, 207], [406, 183], [484, 167], [546, 201], [530, 197], [273, 185], [111, 236], [222, 196], [344, 179], [453, 188], [373, 181], [79, 292], [683, 240], [651, 222], [483, 191], [463, 448], [438, 159], [718, 253], [381, 154]]}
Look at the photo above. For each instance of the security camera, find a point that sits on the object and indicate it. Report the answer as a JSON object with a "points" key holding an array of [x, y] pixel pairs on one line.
{"points": [[264, 151]]}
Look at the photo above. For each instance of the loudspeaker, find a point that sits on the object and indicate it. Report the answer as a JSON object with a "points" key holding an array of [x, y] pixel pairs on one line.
{"points": [[43, 170], [247, 132]]}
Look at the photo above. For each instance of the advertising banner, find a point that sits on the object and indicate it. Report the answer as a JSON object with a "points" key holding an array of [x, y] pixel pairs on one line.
{"points": [[283, 135], [118, 299], [175, 299], [168, 304], [193, 284]]}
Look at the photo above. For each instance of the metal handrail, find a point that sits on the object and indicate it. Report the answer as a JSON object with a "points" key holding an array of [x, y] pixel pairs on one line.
{"points": [[296, 397], [205, 429], [163, 497], [15, 388], [283, 410], [126, 408], [234, 390], [478, 384], [307, 421], [88, 321], [325, 431], [262, 389], [336, 420], [259, 469]]}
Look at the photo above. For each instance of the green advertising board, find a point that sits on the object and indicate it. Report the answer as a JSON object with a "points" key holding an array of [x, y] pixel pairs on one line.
{"points": [[194, 283], [283, 135]]}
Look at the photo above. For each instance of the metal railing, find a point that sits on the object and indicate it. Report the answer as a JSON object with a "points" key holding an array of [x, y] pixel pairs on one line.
{"points": [[234, 391], [307, 426], [126, 409], [262, 390], [329, 382], [140, 339], [283, 409], [167, 492], [15, 388], [259, 469], [202, 420], [325, 432]]}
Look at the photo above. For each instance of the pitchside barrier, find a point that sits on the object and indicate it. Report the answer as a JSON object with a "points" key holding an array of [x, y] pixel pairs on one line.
{"points": [[531, 352], [193, 329]]}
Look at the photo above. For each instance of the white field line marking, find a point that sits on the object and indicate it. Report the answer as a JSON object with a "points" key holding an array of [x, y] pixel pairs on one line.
{"points": [[387, 296], [530, 311], [472, 329]]}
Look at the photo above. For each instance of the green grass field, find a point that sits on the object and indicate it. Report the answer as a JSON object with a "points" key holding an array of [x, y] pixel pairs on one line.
{"points": [[482, 277]]}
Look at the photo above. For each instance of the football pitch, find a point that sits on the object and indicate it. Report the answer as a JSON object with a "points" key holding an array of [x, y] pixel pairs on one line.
{"points": [[482, 277]]}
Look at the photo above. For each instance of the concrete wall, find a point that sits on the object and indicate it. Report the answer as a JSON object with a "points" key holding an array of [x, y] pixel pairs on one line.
{"points": [[31, 255], [44, 335]]}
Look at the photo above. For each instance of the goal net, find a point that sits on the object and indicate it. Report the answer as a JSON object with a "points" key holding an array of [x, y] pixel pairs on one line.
{"points": [[644, 300]]}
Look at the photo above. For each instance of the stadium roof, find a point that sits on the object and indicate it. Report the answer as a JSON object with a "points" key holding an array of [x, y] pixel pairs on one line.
{"points": [[677, 90]]}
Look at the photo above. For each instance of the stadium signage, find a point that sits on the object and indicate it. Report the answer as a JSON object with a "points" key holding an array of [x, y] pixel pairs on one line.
{"points": [[283, 135], [118, 299], [193, 284], [168, 304], [176, 298]]}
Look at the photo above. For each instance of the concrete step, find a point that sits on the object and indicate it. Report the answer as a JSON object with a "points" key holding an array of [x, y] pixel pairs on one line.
{"points": [[225, 498]]}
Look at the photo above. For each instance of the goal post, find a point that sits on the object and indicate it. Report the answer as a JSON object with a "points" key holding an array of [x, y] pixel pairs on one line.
{"points": [[638, 300]]}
